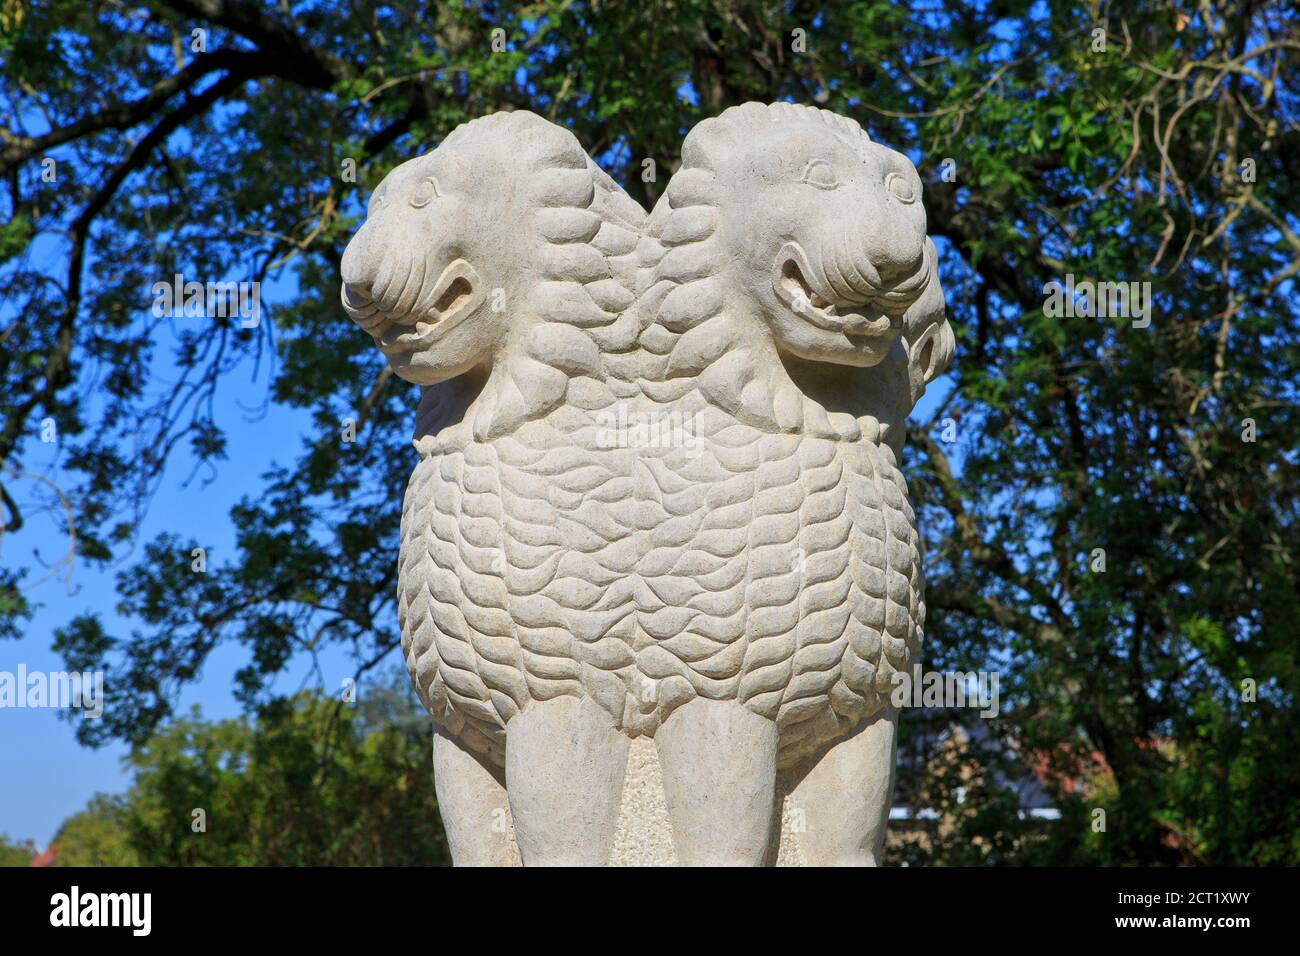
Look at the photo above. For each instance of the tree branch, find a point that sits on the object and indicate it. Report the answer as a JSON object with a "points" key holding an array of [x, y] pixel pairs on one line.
{"points": [[294, 56]]}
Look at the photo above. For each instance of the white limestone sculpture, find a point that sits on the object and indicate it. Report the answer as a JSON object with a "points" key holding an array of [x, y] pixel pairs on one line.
{"points": [[664, 651]]}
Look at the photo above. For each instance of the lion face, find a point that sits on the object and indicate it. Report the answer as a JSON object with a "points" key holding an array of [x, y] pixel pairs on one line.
{"points": [[828, 234], [417, 277]]}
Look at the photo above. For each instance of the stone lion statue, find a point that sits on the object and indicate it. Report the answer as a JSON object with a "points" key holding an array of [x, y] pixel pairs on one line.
{"points": [[676, 650]]}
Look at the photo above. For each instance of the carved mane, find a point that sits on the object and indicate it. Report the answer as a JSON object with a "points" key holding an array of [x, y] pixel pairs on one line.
{"points": [[583, 231]]}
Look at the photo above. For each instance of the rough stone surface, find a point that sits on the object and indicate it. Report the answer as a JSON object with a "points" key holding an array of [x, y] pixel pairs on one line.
{"points": [[658, 565]]}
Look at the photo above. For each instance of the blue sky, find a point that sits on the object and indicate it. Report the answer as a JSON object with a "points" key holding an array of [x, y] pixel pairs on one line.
{"points": [[47, 775]]}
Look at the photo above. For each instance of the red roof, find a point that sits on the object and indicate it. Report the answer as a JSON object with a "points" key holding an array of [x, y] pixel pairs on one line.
{"points": [[48, 858]]}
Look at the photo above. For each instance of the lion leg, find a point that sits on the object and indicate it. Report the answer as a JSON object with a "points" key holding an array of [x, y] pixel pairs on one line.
{"points": [[841, 806], [473, 805], [719, 769], [565, 763]]}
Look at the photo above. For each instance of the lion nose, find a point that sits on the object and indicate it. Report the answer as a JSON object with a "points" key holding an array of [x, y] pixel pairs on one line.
{"points": [[358, 285], [900, 263], [893, 251], [355, 266]]}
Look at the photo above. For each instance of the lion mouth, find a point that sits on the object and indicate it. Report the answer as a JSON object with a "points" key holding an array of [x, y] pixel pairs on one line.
{"points": [[403, 312], [821, 307]]}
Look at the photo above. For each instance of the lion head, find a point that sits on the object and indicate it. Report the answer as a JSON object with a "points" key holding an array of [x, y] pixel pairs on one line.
{"points": [[498, 250], [792, 215]]}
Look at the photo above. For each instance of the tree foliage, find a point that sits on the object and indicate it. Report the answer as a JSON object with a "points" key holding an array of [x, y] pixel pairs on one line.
{"points": [[1141, 143], [99, 835], [15, 853], [311, 781]]}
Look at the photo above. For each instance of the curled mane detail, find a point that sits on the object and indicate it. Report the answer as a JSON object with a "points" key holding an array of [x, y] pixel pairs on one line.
{"points": [[583, 232]]}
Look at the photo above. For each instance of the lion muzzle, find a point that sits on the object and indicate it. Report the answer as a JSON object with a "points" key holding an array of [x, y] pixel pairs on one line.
{"points": [[402, 303]]}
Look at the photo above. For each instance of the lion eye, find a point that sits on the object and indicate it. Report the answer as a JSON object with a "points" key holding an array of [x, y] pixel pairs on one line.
{"points": [[425, 192], [820, 174], [376, 200], [900, 188]]}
